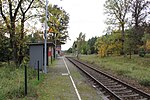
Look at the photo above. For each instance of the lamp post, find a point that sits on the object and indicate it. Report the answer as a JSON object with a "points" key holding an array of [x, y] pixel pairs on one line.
{"points": [[45, 40]]}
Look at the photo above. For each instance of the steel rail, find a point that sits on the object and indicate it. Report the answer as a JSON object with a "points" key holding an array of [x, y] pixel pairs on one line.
{"points": [[104, 87], [140, 92]]}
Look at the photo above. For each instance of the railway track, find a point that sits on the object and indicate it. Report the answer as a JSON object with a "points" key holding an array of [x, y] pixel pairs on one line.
{"points": [[114, 88]]}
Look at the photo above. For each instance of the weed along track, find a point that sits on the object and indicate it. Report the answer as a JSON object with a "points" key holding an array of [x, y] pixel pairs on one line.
{"points": [[113, 88]]}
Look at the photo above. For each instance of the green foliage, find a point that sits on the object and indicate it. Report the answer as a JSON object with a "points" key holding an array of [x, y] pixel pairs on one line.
{"points": [[109, 44], [80, 42], [142, 52], [130, 42], [13, 20], [122, 72], [145, 82], [69, 50], [136, 68], [80, 45], [102, 45], [35, 37], [146, 41], [12, 82], [91, 44], [117, 11], [58, 23], [5, 50]]}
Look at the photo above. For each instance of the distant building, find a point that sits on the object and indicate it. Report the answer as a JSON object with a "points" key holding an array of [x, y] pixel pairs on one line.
{"points": [[58, 50]]}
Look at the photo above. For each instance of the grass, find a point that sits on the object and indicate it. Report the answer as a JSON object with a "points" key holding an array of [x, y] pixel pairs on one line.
{"points": [[86, 91], [55, 86], [59, 87], [51, 86], [137, 68], [53, 89], [12, 82]]}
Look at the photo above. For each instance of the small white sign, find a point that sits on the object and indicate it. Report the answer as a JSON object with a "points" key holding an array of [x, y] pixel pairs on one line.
{"points": [[65, 74]]}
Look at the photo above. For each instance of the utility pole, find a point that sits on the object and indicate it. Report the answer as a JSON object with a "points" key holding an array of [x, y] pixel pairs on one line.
{"points": [[45, 41]]}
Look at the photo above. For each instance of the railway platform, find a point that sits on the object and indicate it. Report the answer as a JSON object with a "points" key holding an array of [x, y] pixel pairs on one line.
{"points": [[65, 82]]}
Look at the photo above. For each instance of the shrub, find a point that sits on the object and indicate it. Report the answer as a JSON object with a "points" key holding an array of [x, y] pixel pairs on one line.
{"points": [[142, 52], [145, 82], [122, 72], [12, 82]]}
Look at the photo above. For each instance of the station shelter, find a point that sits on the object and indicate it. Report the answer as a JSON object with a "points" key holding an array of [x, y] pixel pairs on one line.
{"points": [[36, 52]]}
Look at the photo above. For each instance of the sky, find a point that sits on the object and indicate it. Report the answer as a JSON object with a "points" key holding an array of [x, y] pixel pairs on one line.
{"points": [[86, 16]]}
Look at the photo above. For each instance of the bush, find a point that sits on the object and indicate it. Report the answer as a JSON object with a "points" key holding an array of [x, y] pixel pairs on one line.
{"points": [[145, 82], [142, 52], [122, 72]]}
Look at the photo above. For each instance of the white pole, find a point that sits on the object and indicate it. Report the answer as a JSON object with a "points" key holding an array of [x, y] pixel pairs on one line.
{"points": [[45, 41]]}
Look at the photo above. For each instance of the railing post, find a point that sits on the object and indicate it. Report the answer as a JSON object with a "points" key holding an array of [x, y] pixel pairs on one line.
{"points": [[51, 59], [38, 71], [25, 83]]}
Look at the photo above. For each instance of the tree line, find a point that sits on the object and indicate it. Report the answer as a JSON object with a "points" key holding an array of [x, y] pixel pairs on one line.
{"points": [[80, 46], [128, 30], [130, 19], [17, 15]]}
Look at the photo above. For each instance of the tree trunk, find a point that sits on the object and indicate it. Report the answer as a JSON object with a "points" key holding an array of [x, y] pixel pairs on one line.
{"points": [[20, 59], [11, 27], [123, 37], [13, 40], [130, 54], [21, 56]]}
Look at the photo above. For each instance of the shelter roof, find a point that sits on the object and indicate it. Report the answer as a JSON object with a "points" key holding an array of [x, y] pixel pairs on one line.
{"points": [[41, 43]]}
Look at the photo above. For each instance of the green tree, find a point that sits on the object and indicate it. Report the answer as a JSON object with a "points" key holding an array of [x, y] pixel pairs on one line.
{"points": [[115, 43], [5, 50], [74, 47], [102, 45], [69, 50], [25, 10], [109, 44], [35, 37], [58, 23], [9, 16], [58, 20], [146, 41], [85, 48], [79, 46], [14, 12], [117, 11], [91, 44], [80, 42], [139, 10], [130, 44]]}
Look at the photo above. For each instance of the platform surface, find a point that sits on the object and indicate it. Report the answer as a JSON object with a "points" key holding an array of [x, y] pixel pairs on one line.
{"points": [[58, 84]]}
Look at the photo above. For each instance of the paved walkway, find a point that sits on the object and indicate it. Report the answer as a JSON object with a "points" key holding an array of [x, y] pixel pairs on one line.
{"points": [[64, 82]]}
